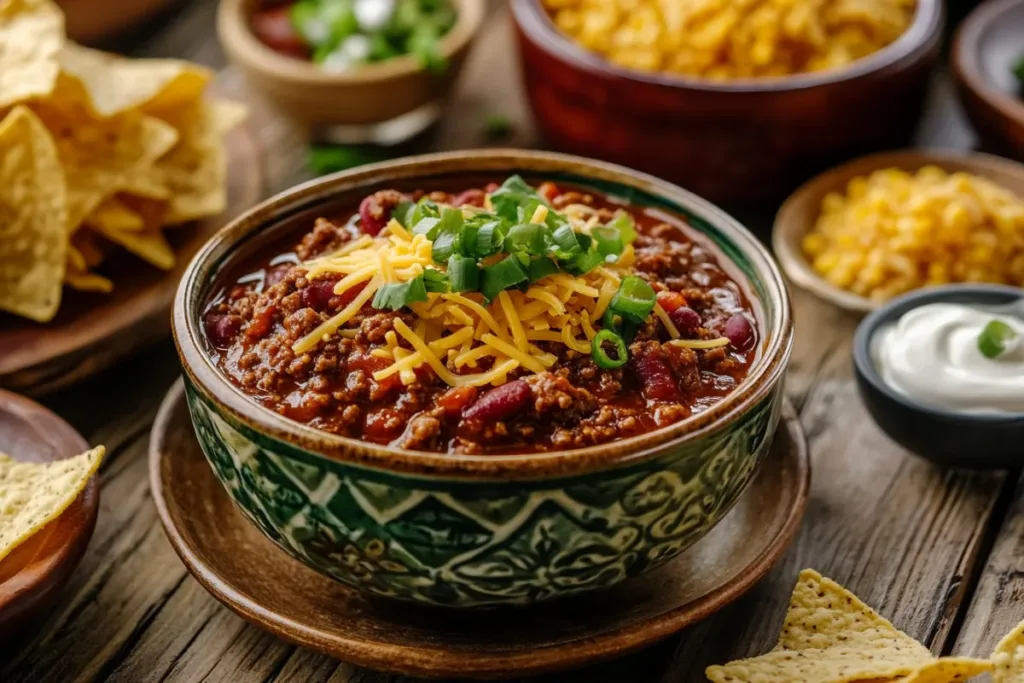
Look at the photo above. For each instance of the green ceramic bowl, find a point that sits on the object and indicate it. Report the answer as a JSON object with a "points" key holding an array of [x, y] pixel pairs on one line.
{"points": [[470, 531]]}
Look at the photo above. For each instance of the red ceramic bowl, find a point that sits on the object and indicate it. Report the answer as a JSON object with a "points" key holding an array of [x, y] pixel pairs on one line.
{"points": [[733, 141]]}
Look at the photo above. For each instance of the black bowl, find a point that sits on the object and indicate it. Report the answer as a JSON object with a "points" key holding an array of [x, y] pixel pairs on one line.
{"points": [[946, 437]]}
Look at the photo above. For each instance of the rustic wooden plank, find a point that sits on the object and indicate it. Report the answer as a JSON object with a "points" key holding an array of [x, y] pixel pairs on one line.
{"points": [[997, 604]]}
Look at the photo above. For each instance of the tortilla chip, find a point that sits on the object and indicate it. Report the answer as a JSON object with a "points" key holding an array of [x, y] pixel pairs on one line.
{"points": [[99, 156], [195, 171], [1008, 657], [116, 85], [948, 670], [829, 636], [31, 33], [84, 281], [823, 614], [34, 494], [86, 248], [33, 213], [113, 213], [148, 245]]}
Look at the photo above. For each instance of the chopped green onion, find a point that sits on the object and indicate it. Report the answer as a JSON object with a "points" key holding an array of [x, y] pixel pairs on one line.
{"points": [[566, 241], [447, 235], [463, 273], [426, 226], [635, 299], [994, 337], [581, 264], [395, 295], [1018, 71], [602, 359], [506, 273], [324, 159], [425, 208], [624, 327], [542, 267], [528, 237], [489, 239], [626, 226], [513, 198], [435, 280], [403, 214], [609, 241]]}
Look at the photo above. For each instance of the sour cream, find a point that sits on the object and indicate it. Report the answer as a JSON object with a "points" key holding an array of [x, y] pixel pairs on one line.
{"points": [[931, 355]]}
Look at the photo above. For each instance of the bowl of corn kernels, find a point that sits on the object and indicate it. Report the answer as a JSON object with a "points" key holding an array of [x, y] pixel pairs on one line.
{"points": [[886, 224], [737, 100]]}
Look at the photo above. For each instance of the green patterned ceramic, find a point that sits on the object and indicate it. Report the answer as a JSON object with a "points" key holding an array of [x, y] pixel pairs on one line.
{"points": [[469, 531]]}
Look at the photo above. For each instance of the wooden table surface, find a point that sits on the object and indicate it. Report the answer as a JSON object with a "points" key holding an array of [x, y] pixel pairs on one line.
{"points": [[938, 552]]}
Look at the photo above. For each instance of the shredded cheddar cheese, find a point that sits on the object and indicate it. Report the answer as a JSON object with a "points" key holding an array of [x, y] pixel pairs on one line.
{"points": [[454, 331]]}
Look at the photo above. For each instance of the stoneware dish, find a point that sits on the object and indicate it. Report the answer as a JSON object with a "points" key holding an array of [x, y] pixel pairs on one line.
{"points": [[735, 141], [371, 94], [799, 213], [468, 531], [988, 45], [945, 437], [32, 576]]}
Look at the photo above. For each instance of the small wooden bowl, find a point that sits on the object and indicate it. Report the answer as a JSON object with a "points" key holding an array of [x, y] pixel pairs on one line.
{"points": [[734, 141], [801, 210], [987, 44], [32, 576], [368, 95], [95, 21]]}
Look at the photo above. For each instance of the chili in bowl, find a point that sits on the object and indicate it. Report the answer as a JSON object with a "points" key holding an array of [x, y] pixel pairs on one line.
{"points": [[411, 374]]}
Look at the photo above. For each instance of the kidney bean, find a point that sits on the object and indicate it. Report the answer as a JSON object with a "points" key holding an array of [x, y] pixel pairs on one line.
{"points": [[375, 210], [222, 329], [318, 293], [470, 198], [501, 402], [275, 275], [274, 29], [655, 375], [686, 320], [739, 331]]}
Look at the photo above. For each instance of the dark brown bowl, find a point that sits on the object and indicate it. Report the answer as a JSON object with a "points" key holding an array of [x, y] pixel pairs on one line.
{"points": [[737, 141], [987, 44]]}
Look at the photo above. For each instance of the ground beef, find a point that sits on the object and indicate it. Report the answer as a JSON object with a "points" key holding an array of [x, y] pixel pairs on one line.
{"points": [[253, 324]]}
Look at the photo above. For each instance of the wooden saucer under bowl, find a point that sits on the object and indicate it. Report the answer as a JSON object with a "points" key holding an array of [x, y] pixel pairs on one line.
{"points": [[31, 577], [250, 575]]}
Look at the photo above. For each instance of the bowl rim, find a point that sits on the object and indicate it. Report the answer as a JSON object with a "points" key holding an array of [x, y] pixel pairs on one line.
{"points": [[923, 33], [763, 378], [897, 307], [786, 236], [965, 59], [238, 40]]}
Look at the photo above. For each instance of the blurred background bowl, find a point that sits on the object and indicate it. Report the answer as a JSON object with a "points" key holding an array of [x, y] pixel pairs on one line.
{"points": [[367, 95], [729, 141], [988, 44], [97, 21]]}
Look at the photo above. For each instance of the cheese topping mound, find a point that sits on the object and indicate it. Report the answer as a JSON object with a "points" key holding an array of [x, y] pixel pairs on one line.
{"points": [[455, 331]]}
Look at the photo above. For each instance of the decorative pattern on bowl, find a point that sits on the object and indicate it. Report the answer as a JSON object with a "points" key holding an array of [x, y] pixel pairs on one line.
{"points": [[480, 530], [451, 543]]}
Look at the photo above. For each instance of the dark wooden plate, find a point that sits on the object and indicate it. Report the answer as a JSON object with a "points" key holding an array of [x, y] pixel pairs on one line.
{"points": [[31, 577], [93, 331], [250, 575], [988, 44]]}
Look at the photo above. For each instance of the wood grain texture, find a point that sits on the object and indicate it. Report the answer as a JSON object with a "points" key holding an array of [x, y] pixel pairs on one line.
{"points": [[912, 540]]}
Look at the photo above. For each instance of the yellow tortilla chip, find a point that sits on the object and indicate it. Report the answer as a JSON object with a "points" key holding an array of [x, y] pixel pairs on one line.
{"points": [[195, 171], [948, 670], [31, 35], [148, 245], [33, 213], [829, 636], [84, 281], [1008, 657], [113, 213], [86, 249], [99, 156], [116, 85], [34, 494]]}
